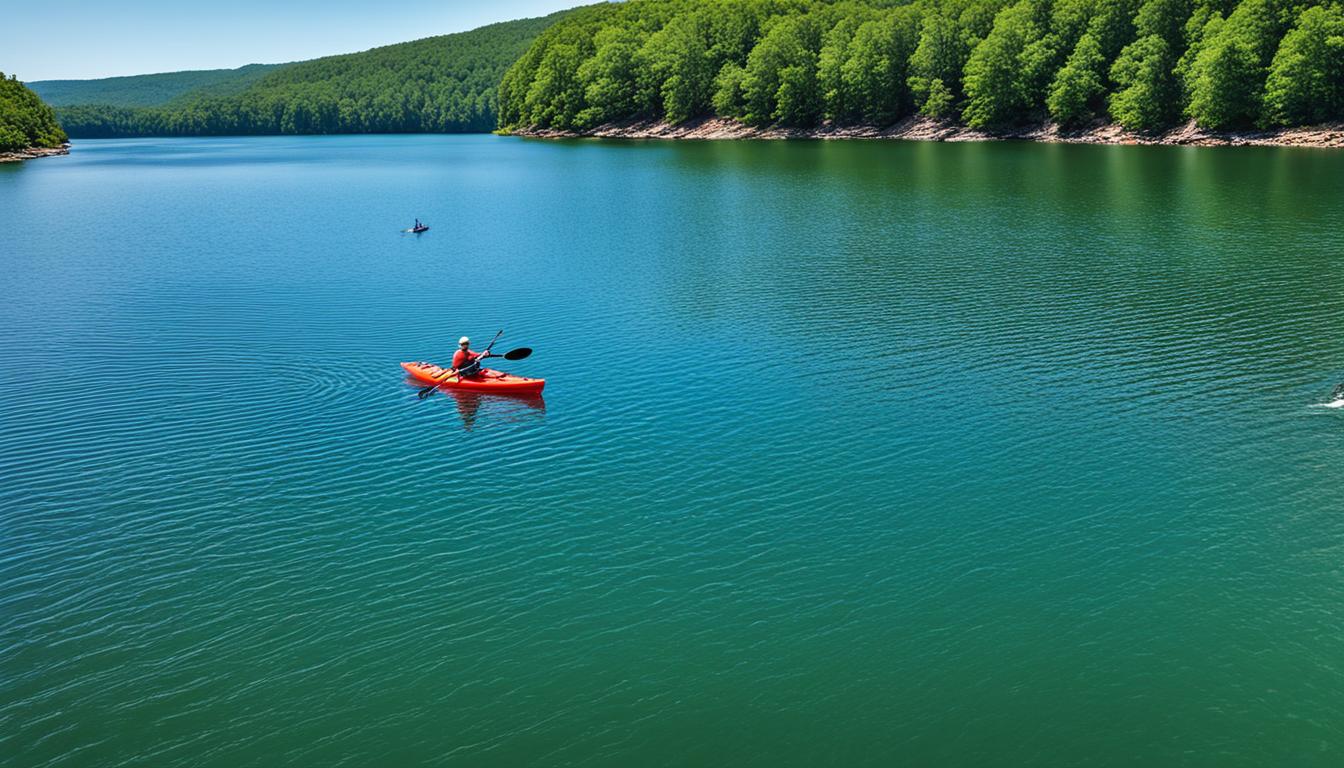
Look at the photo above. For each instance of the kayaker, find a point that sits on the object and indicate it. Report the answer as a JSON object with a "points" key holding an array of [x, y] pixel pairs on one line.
{"points": [[466, 362]]}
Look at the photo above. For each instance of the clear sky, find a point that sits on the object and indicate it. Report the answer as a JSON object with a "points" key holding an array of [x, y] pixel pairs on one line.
{"points": [[80, 39]]}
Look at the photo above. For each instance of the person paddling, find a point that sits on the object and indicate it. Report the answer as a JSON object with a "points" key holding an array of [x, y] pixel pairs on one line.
{"points": [[466, 362]]}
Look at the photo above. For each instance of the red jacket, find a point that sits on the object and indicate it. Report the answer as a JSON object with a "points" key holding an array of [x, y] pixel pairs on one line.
{"points": [[465, 357]]}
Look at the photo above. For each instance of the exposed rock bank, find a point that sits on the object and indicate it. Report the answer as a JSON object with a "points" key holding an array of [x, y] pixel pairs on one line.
{"points": [[33, 153], [927, 129]]}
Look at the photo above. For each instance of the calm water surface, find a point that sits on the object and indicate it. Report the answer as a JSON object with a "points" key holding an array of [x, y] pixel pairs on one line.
{"points": [[851, 454]]}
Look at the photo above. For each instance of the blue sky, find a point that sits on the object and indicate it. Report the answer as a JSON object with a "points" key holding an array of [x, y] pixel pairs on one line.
{"points": [[80, 39]]}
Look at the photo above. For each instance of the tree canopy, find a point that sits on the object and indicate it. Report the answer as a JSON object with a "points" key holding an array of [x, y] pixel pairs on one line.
{"points": [[25, 121], [445, 84], [150, 90], [1146, 64]]}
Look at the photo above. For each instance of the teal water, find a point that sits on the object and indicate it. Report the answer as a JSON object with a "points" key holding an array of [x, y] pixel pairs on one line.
{"points": [[850, 454]]}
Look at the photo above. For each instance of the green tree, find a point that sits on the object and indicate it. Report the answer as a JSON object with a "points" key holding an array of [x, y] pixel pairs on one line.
{"points": [[781, 74], [1148, 94], [877, 71], [25, 121], [1069, 19], [677, 57], [555, 97], [975, 17], [1110, 22], [1306, 77], [798, 101], [1227, 75], [730, 92], [1164, 18], [1114, 27], [839, 102], [608, 78], [998, 74], [1077, 91], [936, 65], [941, 102]]}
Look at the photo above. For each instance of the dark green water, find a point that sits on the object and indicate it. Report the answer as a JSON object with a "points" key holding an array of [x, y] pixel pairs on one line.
{"points": [[851, 454]]}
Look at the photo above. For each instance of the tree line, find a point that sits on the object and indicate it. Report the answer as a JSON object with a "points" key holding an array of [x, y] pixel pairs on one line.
{"points": [[445, 84], [25, 121], [149, 90], [1145, 64]]}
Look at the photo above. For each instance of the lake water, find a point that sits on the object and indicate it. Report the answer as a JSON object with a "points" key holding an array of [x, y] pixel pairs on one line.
{"points": [[851, 453]]}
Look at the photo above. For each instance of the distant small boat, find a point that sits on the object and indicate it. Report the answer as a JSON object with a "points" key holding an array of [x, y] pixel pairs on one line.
{"points": [[419, 228]]}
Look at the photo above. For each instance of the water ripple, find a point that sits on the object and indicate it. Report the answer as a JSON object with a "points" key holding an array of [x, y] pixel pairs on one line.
{"points": [[850, 453]]}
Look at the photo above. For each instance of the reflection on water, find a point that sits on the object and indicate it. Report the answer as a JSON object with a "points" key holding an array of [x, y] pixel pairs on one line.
{"points": [[508, 409], [493, 407]]}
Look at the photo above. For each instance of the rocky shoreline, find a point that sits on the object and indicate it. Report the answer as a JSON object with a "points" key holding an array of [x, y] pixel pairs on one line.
{"points": [[32, 153], [927, 129]]}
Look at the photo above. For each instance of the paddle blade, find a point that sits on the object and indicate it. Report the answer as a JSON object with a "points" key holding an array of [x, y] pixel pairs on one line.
{"points": [[422, 394], [517, 354]]}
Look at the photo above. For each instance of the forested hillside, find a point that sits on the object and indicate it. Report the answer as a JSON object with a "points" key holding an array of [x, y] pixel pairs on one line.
{"points": [[24, 120], [149, 90], [443, 84], [1146, 64]]}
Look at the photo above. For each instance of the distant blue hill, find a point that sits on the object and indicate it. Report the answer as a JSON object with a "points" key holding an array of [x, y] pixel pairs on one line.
{"points": [[150, 90]]}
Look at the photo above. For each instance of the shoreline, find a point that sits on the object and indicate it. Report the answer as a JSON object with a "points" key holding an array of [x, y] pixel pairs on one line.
{"points": [[928, 129], [32, 153]]}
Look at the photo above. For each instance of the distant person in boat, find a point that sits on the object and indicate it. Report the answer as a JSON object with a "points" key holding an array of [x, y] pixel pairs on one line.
{"points": [[466, 362]]}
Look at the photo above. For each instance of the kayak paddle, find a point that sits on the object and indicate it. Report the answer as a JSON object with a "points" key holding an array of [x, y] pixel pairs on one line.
{"points": [[422, 394]]}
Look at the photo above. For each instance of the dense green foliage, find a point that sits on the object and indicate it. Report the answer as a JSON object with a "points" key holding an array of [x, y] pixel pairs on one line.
{"points": [[1306, 78], [1078, 87], [149, 90], [1146, 64], [24, 120], [442, 84]]}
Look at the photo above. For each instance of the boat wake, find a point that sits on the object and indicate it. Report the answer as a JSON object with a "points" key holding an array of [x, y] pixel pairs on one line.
{"points": [[1336, 398]]}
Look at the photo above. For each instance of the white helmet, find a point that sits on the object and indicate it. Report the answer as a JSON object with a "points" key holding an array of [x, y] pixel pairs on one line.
{"points": [[464, 340]]}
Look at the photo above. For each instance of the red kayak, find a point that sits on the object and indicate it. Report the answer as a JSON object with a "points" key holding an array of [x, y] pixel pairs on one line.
{"points": [[486, 381]]}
